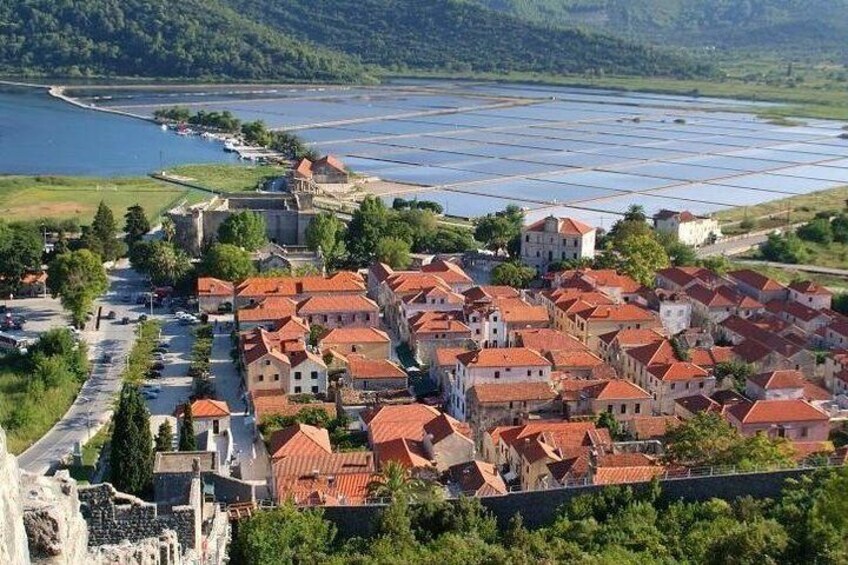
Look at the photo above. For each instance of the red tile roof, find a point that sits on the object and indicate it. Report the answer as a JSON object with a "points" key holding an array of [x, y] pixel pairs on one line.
{"points": [[777, 412], [755, 280], [779, 380], [268, 403], [567, 360], [359, 367], [617, 313], [345, 489], [489, 293], [517, 311], [709, 357], [449, 272], [653, 427], [290, 470], [354, 335], [656, 353], [698, 403], [624, 475], [205, 408], [446, 356], [499, 393], [565, 226], [274, 308], [504, 357], [680, 371], [299, 439], [618, 389], [388, 422], [409, 453], [629, 338], [330, 161], [443, 426], [208, 286], [343, 282], [477, 478], [333, 304], [546, 339], [810, 287], [794, 309]]}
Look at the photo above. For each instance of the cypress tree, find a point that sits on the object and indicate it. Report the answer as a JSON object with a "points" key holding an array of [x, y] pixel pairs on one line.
{"points": [[165, 437], [132, 444], [188, 441], [136, 224]]}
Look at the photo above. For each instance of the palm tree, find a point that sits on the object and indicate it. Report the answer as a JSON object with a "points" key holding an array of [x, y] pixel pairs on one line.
{"points": [[169, 230], [396, 480]]}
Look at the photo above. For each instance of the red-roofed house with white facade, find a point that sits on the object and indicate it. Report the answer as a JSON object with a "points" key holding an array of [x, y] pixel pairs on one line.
{"points": [[556, 239], [796, 420]]}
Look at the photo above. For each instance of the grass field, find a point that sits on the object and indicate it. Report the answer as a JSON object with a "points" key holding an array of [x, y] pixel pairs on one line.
{"points": [[228, 178], [32, 198], [53, 405], [775, 213]]}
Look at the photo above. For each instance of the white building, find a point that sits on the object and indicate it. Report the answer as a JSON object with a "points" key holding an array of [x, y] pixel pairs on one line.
{"points": [[675, 312], [505, 365], [556, 239], [689, 228]]}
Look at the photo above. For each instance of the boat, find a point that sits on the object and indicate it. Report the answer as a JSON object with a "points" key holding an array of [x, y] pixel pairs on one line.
{"points": [[163, 127]]}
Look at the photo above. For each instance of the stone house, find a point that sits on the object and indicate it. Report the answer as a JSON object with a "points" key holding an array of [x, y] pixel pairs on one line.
{"points": [[794, 419], [340, 311], [775, 385], [621, 398], [214, 294], [447, 442], [811, 295], [590, 323], [431, 331], [556, 239], [370, 342], [509, 404], [266, 314], [371, 374], [207, 415], [688, 228], [757, 286], [256, 289], [280, 361]]}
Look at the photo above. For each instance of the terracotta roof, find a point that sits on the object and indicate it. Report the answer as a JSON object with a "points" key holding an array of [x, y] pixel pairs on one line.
{"points": [[755, 280], [259, 342], [443, 426], [546, 339], [449, 272], [205, 408], [794, 309], [779, 380], [330, 161], [343, 282], [268, 403], [810, 287], [679, 371], [682, 216], [489, 293], [777, 412], [446, 356], [813, 392], [409, 453], [387, 423], [617, 313], [354, 335], [684, 276], [436, 322], [767, 339], [565, 360], [629, 338], [652, 427], [503, 357], [359, 367], [434, 295], [299, 439], [517, 311], [324, 464], [477, 478], [656, 353], [274, 308], [618, 389], [554, 434], [414, 282], [698, 403], [304, 168], [708, 357], [208, 286], [565, 226], [499, 393], [610, 278], [624, 475], [345, 489], [333, 304]]}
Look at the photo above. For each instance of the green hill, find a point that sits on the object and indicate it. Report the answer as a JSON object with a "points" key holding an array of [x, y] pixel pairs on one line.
{"points": [[750, 24], [162, 38], [457, 35]]}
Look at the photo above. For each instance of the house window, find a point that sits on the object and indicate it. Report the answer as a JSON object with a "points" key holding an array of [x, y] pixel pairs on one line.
{"points": [[624, 409], [315, 390], [216, 427], [297, 390], [701, 384], [267, 362], [495, 319], [367, 317], [609, 408], [314, 375], [804, 431], [541, 372], [277, 376], [497, 374], [326, 319], [529, 372], [673, 386], [260, 378], [510, 405], [297, 375], [638, 409], [495, 331], [526, 239]]}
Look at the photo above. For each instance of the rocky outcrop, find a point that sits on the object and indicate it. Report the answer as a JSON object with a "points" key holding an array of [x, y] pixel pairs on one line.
{"points": [[164, 550], [13, 539], [54, 526]]}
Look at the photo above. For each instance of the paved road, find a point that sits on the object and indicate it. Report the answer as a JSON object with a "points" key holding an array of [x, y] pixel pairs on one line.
{"points": [[793, 267], [93, 406]]}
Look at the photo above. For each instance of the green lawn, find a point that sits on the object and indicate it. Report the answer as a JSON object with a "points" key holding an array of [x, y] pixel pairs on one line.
{"points": [[227, 178], [32, 198], [53, 405]]}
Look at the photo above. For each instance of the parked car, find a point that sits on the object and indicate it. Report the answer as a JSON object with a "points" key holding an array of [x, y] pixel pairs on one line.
{"points": [[154, 374], [158, 365], [111, 315], [125, 320], [149, 394], [126, 298], [142, 318], [106, 359]]}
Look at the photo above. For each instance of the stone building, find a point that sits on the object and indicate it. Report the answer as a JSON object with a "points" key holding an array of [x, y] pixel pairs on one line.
{"points": [[556, 239], [286, 217], [687, 227]]}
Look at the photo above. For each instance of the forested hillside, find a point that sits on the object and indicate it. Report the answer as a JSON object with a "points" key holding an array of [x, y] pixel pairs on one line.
{"points": [[456, 35], [789, 24], [163, 38]]}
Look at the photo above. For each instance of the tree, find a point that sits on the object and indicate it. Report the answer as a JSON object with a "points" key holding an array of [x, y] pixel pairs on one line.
{"points": [[608, 421], [512, 274], [818, 230], [784, 249], [737, 371], [716, 263], [394, 252], [244, 229], [103, 234], [136, 225], [366, 228], [227, 262], [21, 249], [164, 263], [188, 441], [132, 445], [641, 256], [495, 231], [396, 481], [77, 278], [286, 534], [448, 239], [165, 437], [169, 230], [326, 233]]}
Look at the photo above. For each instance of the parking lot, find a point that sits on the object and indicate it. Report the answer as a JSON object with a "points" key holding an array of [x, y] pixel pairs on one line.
{"points": [[41, 314]]}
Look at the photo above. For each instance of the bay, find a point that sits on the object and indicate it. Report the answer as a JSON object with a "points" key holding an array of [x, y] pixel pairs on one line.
{"points": [[41, 135]]}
